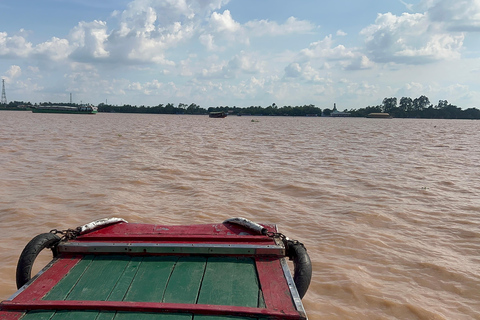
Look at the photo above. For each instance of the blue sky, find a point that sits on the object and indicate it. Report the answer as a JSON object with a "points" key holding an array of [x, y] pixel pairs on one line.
{"points": [[241, 52]]}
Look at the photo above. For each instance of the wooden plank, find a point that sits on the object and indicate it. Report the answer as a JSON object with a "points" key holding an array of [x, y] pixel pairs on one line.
{"points": [[65, 285], [75, 315], [274, 285], [120, 290], [151, 279], [49, 279], [152, 307], [185, 281], [99, 279], [39, 315], [91, 279], [11, 315], [107, 315], [230, 281], [121, 287], [151, 316]]}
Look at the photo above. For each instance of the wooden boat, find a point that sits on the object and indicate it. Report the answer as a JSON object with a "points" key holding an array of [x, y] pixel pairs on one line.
{"points": [[219, 114], [83, 109], [111, 269]]}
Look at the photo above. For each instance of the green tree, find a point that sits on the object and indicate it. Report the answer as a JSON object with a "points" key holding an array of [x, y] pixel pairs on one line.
{"points": [[406, 104], [389, 104], [441, 104], [420, 103]]}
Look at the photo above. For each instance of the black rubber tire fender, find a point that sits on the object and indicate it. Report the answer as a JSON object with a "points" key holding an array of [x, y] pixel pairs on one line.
{"points": [[30, 253], [302, 267]]}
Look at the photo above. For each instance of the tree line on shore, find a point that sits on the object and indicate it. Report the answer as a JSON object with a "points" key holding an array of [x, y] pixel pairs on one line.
{"points": [[404, 108], [418, 108]]}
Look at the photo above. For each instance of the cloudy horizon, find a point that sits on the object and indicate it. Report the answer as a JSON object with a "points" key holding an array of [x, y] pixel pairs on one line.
{"points": [[240, 52]]}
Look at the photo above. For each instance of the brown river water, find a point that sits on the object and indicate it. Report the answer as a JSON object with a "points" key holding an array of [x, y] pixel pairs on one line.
{"points": [[389, 209]]}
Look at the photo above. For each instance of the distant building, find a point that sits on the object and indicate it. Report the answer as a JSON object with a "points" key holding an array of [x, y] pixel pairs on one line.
{"points": [[336, 113]]}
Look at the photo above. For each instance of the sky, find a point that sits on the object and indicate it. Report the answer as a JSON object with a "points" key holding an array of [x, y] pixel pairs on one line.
{"points": [[240, 52]]}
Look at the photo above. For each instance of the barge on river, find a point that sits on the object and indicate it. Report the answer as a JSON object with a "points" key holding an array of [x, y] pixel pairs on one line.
{"points": [[82, 109], [111, 269]]}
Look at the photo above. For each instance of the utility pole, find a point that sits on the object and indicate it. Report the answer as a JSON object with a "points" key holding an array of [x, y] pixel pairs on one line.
{"points": [[4, 96]]}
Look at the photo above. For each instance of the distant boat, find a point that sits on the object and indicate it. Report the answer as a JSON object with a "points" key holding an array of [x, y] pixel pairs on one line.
{"points": [[83, 109], [218, 114], [379, 115]]}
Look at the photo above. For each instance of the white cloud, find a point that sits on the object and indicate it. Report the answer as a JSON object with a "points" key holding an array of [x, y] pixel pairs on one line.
{"points": [[304, 71], [408, 6], [258, 28], [14, 46], [360, 63], [89, 40], [311, 63], [222, 28], [241, 63], [224, 23], [13, 72], [326, 49], [56, 49], [207, 40], [456, 15], [293, 70], [410, 38]]}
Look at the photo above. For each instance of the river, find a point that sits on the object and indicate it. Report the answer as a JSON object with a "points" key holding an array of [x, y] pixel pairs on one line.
{"points": [[389, 209]]}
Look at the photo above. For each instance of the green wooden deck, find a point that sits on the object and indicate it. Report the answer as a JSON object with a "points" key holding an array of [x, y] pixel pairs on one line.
{"points": [[227, 281]]}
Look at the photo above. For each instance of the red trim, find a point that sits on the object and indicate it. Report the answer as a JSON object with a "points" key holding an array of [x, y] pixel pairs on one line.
{"points": [[11, 315], [43, 284], [149, 307], [275, 292], [199, 229], [147, 238]]}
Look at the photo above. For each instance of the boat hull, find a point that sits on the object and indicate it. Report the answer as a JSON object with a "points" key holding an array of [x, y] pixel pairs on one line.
{"points": [[63, 111], [82, 109], [130, 270], [217, 115]]}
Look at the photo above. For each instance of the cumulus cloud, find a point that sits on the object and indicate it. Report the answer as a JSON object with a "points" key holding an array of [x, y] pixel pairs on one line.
{"points": [[293, 70], [223, 28], [14, 46], [304, 71], [310, 63], [241, 63], [360, 63], [410, 38], [325, 49], [260, 28], [56, 49], [12, 73], [147, 29], [224, 22], [207, 40], [89, 40], [220, 30], [456, 15]]}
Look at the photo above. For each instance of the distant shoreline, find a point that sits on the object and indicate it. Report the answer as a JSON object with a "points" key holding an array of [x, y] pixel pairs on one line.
{"points": [[407, 108]]}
